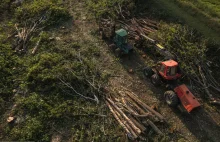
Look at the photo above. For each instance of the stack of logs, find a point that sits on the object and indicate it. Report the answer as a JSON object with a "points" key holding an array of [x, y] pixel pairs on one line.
{"points": [[136, 27], [132, 114], [139, 27]]}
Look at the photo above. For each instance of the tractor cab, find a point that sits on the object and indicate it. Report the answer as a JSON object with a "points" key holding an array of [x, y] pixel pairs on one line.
{"points": [[121, 40], [169, 70]]}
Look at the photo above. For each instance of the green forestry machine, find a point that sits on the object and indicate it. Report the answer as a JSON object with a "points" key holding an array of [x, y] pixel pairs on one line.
{"points": [[121, 41], [116, 39]]}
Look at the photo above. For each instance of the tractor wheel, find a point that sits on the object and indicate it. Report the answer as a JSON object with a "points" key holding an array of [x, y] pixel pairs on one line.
{"points": [[148, 72], [112, 46], [171, 98], [155, 79], [118, 52], [102, 35]]}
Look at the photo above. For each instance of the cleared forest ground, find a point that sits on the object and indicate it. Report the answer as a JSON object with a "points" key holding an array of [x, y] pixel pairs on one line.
{"points": [[53, 114], [201, 125]]}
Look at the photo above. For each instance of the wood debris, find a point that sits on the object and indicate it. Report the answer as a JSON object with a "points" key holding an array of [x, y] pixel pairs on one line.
{"points": [[10, 119], [24, 34], [135, 117]]}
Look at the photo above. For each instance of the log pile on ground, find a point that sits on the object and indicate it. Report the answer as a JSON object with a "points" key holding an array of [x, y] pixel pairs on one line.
{"points": [[139, 27], [134, 116]]}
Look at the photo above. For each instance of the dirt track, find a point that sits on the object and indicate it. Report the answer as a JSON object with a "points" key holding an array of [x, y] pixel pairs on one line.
{"points": [[202, 125]]}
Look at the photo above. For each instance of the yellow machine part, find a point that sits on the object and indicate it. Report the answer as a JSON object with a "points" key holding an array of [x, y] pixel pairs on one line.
{"points": [[160, 46]]}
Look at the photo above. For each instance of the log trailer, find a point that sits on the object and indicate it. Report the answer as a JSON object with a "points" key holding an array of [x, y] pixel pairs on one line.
{"points": [[168, 72]]}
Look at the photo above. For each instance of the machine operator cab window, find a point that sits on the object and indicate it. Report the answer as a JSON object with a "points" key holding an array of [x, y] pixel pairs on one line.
{"points": [[172, 71], [162, 68], [169, 68]]}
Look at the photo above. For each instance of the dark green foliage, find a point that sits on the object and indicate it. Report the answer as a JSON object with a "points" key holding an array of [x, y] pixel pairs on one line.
{"points": [[107, 8], [52, 11], [32, 130], [4, 5], [185, 43]]}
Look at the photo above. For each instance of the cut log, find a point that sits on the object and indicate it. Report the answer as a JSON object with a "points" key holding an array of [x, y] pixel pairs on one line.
{"points": [[144, 105], [131, 110], [134, 127], [120, 121], [215, 102], [36, 47], [135, 135], [205, 83], [139, 125], [142, 111], [154, 127], [133, 103]]}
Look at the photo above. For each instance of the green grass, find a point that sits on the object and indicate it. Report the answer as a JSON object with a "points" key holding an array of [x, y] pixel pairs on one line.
{"points": [[49, 107], [196, 15], [209, 7]]}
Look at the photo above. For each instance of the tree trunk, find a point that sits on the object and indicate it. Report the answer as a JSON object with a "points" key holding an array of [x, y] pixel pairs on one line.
{"points": [[136, 129]]}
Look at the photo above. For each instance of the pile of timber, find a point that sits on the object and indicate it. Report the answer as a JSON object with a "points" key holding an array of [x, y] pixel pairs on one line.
{"points": [[133, 115], [135, 27], [106, 28], [139, 27]]}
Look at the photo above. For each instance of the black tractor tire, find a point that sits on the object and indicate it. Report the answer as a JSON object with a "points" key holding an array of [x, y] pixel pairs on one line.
{"points": [[171, 98], [112, 46], [118, 52], [155, 79], [148, 72]]}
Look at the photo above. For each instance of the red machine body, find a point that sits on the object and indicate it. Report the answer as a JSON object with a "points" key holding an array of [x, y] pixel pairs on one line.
{"points": [[169, 72], [169, 69], [187, 99]]}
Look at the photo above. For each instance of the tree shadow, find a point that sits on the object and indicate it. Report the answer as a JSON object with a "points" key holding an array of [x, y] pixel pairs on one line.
{"points": [[200, 124]]}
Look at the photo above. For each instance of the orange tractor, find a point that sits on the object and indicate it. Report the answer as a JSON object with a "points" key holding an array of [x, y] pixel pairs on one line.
{"points": [[168, 72]]}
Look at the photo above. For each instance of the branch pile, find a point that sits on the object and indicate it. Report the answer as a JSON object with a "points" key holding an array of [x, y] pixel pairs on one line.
{"points": [[190, 50], [24, 35], [139, 27], [202, 79], [132, 114]]}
